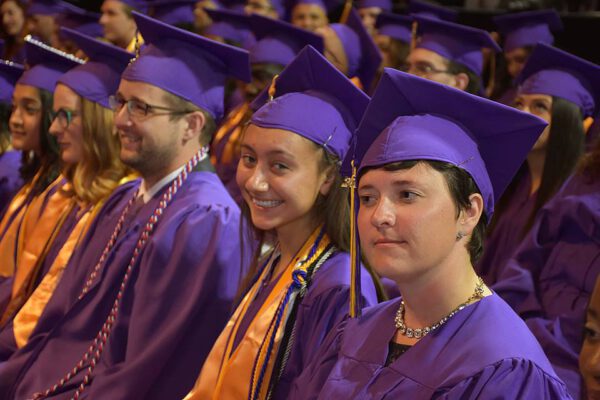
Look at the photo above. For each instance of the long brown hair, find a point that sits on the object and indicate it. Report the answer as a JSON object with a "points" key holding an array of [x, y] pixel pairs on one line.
{"points": [[565, 147], [100, 169]]}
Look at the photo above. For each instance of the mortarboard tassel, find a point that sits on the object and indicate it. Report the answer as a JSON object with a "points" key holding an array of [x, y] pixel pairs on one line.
{"points": [[413, 35], [346, 11], [350, 183]]}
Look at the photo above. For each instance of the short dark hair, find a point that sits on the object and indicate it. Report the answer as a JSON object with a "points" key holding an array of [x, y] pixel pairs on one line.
{"points": [[461, 185], [474, 85], [180, 104]]}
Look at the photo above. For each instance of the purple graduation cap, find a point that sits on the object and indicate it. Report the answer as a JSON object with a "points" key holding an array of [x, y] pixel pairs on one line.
{"points": [[49, 7], [395, 26], [10, 73], [99, 77], [431, 10], [173, 12], [385, 5], [197, 67], [412, 118], [455, 42], [233, 26], [45, 65], [361, 51], [528, 28], [557, 73], [313, 99], [279, 42], [137, 5], [81, 20]]}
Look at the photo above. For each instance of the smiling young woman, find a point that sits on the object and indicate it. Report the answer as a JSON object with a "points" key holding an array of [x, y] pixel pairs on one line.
{"points": [[289, 178]]}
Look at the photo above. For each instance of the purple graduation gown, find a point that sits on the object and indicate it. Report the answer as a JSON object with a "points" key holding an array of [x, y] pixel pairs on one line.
{"points": [[550, 279], [10, 180], [178, 299], [483, 352], [7, 338], [507, 235]]}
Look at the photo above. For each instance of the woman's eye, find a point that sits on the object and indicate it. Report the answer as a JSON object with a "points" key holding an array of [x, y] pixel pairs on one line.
{"points": [[366, 200], [591, 334], [248, 159], [280, 167], [408, 196]]}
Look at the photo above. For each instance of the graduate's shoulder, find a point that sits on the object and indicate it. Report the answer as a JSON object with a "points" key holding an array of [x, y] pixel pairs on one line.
{"points": [[205, 190]]}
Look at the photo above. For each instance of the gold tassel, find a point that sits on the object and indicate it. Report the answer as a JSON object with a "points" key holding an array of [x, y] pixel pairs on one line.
{"points": [[272, 88], [346, 11], [413, 35], [350, 183]]}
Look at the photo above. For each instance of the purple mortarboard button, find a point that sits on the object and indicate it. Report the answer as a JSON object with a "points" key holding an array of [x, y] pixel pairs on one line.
{"points": [[528, 28], [278, 42], [311, 86], [411, 118], [197, 67], [82, 21], [396, 26], [45, 65], [431, 10], [458, 43], [385, 5], [233, 26], [555, 72], [9, 75], [49, 7], [99, 77], [173, 12]]}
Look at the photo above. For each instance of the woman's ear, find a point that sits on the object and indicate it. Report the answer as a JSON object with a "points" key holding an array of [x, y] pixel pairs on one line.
{"points": [[329, 180], [469, 217]]}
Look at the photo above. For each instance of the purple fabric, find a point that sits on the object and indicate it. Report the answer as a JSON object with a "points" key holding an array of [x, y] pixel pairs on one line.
{"points": [[430, 10], [9, 75], [198, 67], [555, 72], [351, 44], [45, 65], [231, 25], [499, 247], [458, 43], [99, 77], [508, 97], [157, 347], [369, 57], [528, 28], [10, 180], [395, 26], [138, 5], [173, 12], [483, 352], [550, 278], [411, 118], [279, 42], [310, 85], [385, 5], [48, 7], [81, 20]]}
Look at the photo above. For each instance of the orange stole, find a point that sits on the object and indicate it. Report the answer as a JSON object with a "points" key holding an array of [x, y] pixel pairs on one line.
{"points": [[8, 243], [42, 221], [26, 319], [226, 375]]}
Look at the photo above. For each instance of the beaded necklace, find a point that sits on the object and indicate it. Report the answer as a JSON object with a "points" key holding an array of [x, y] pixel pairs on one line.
{"points": [[422, 332], [94, 352]]}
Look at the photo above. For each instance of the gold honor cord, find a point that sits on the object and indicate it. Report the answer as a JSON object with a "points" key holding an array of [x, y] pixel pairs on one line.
{"points": [[413, 35]]}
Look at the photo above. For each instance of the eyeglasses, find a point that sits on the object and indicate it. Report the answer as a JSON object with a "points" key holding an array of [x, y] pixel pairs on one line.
{"points": [[139, 109], [422, 69], [63, 116]]}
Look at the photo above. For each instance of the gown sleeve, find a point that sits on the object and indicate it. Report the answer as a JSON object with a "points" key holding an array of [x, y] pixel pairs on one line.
{"points": [[509, 379]]}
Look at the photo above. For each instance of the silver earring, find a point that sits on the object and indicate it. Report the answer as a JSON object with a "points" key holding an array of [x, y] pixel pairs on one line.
{"points": [[459, 236]]}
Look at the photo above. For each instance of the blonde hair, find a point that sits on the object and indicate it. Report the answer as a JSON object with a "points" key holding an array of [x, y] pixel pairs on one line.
{"points": [[100, 170]]}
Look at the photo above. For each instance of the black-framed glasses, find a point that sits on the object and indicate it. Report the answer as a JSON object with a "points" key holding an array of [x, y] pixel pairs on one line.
{"points": [[63, 116], [137, 108], [422, 69]]}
